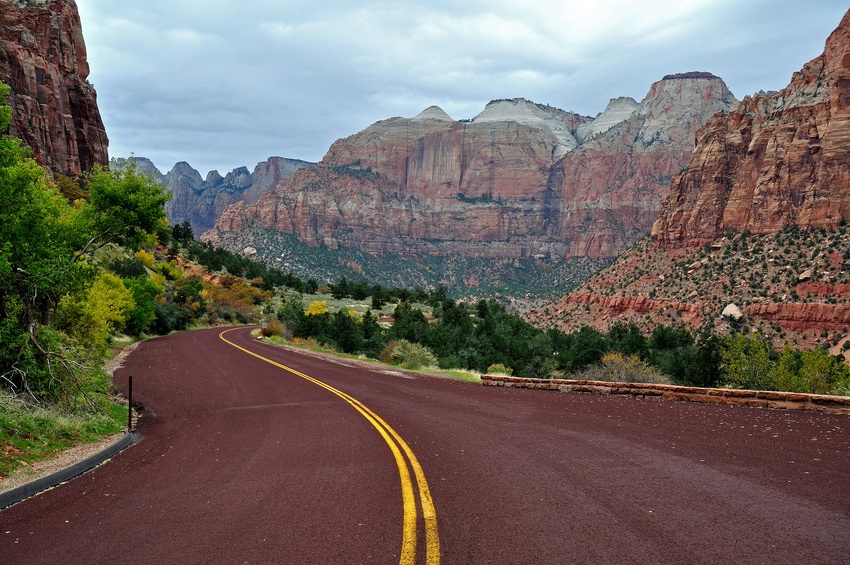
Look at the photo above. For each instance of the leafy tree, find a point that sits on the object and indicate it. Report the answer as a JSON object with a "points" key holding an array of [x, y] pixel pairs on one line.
{"points": [[341, 289], [189, 295], [46, 247], [182, 232], [317, 308], [92, 316], [410, 324], [627, 339], [373, 335], [128, 267], [582, 348], [170, 318], [346, 332], [144, 293], [379, 297], [124, 207], [747, 363]]}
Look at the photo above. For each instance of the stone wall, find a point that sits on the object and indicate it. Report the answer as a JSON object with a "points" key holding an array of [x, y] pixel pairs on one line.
{"points": [[753, 398]]}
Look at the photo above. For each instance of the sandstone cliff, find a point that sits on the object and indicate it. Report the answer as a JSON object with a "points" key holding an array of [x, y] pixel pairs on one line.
{"points": [[757, 220], [520, 180], [54, 108], [774, 161], [610, 189]]}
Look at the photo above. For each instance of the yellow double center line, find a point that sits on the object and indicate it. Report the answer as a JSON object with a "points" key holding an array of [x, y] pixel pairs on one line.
{"points": [[397, 446]]}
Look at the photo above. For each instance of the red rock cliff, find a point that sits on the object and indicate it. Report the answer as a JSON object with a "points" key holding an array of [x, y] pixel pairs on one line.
{"points": [[520, 180], [611, 188], [774, 161], [43, 60]]}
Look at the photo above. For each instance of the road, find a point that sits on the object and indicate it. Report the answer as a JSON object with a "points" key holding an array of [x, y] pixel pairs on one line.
{"points": [[252, 453]]}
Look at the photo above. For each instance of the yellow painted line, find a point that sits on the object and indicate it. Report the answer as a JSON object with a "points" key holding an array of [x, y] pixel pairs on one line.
{"points": [[394, 441]]}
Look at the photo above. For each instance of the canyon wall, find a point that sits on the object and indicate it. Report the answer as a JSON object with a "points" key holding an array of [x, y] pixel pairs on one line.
{"points": [[757, 220], [200, 201], [520, 180], [776, 160], [54, 108]]}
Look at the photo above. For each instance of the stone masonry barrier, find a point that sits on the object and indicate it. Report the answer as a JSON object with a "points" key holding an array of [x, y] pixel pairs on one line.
{"points": [[756, 398]]}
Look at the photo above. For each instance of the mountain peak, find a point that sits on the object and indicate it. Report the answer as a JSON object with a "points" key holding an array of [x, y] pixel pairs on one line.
{"points": [[691, 75], [528, 113], [433, 113]]}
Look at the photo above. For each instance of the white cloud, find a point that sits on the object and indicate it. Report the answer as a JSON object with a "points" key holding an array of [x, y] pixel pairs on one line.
{"points": [[221, 84]]}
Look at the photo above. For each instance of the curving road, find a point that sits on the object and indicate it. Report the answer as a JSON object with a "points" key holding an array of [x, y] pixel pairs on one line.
{"points": [[257, 454]]}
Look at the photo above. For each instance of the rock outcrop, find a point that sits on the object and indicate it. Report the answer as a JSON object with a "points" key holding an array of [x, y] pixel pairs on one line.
{"points": [[774, 161], [610, 189], [200, 201], [54, 108], [520, 180], [758, 219]]}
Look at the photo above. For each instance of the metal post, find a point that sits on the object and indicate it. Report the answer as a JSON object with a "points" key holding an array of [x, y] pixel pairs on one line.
{"points": [[130, 405]]}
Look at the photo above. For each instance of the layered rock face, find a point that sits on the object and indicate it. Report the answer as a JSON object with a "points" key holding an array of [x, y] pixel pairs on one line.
{"points": [[200, 201], [519, 180], [610, 189], [776, 166], [776, 160], [54, 108]]}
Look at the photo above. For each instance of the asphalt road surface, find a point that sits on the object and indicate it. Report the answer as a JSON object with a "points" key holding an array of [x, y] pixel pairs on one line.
{"points": [[256, 454]]}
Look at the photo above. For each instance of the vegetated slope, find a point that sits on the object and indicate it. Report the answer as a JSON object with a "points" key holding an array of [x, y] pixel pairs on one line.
{"points": [[756, 220], [791, 286], [54, 108], [502, 187]]}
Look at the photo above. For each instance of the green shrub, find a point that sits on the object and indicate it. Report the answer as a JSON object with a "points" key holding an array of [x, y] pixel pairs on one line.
{"points": [[499, 369], [619, 368], [412, 355], [170, 318]]}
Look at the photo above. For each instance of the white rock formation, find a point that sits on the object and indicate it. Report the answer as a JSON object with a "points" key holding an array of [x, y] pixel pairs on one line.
{"points": [[618, 110]]}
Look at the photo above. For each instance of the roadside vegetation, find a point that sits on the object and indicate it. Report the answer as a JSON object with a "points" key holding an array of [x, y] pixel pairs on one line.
{"points": [[429, 329], [59, 305], [485, 338]]}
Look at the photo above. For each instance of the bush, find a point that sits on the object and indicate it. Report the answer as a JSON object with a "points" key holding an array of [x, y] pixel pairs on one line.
{"points": [[274, 327], [618, 368], [309, 342], [170, 318], [499, 369], [412, 355], [128, 267], [386, 354]]}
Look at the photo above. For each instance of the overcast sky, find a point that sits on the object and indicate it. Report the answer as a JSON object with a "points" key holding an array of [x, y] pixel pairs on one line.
{"points": [[219, 83]]}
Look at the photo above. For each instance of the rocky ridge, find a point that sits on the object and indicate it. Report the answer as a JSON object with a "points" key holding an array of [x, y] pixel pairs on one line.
{"points": [[500, 186], [200, 201], [756, 221], [54, 108], [774, 161]]}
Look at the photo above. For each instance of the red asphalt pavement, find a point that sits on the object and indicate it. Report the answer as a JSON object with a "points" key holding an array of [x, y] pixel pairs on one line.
{"points": [[243, 462]]}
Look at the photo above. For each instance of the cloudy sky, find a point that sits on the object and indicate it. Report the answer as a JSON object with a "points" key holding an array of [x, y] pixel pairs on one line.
{"points": [[220, 84]]}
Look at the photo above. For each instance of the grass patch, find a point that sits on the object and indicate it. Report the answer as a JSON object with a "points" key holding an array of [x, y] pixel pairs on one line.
{"points": [[29, 434], [459, 374]]}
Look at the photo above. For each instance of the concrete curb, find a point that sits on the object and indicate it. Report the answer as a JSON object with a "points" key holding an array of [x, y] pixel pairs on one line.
{"points": [[755, 398], [28, 490]]}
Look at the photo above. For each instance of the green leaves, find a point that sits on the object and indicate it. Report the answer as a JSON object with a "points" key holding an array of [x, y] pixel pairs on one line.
{"points": [[46, 246], [748, 362], [124, 208]]}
